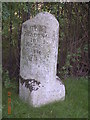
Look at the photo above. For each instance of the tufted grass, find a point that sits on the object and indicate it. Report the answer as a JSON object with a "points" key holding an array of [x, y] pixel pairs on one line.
{"points": [[75, 104], [0, 99]]}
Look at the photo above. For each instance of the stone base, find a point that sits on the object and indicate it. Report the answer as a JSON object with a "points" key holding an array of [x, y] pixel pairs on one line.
{"points": [[39, 95]]}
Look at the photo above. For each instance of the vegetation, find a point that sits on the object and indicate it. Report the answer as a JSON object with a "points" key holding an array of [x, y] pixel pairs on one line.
{"points": [[74, 106], [73, 62], [73, 40], [0, 100]]}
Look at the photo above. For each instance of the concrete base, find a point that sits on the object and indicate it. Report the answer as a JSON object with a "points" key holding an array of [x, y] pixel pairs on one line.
{"points": [[39, 95]]}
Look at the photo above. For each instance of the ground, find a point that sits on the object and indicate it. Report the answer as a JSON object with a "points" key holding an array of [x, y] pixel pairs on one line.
{"points": [[0, 99], [75, 104]]}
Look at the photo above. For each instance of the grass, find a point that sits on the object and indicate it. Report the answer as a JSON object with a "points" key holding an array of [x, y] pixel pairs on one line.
{"points": [[0, 99], [75, 104]]}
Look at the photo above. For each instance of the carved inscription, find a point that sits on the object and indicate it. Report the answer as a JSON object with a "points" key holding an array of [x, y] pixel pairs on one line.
{"points": [[35, 40]]}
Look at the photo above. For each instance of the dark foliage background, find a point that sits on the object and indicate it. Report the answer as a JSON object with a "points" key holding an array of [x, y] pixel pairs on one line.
{"points": [[73, 37]]}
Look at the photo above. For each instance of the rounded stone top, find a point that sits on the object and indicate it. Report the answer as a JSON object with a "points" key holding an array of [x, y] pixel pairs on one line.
{"points": [[43, 18]]}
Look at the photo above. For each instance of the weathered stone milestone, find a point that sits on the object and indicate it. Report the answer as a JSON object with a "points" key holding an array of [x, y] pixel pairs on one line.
{"points": [[38, 84]]}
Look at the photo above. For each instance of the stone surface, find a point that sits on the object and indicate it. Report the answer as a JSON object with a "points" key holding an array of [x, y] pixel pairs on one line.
{"points": [[38, 82]]}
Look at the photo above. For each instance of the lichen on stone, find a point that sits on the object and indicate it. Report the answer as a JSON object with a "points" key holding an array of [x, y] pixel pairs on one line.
{"points": [[32, 84]]}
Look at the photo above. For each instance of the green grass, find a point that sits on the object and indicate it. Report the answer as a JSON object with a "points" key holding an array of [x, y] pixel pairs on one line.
{"points": [[0, 99], [75, 104]]}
